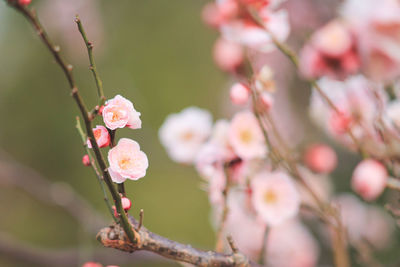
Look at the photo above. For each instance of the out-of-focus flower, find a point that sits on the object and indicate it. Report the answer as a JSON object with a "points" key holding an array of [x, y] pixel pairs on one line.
{"points": [[266, 100], [228, 55], [358, 102], [320, 158], [239, 94], [377, 26], [331, 52], [240, 216], [119, 113], [92, 264], [101, 135], [246, 137], [275, 197], [290, 244], [353, 214], [182, 134], [380, 228], [86, 160], [369, 179], [127, 161]]}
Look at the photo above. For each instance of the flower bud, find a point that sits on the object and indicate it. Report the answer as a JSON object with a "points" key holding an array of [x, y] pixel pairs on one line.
{"points": [[239, 94], [369, 179], [320, 158], [24, 2], [227, 55], [126, 203], [86, 160]]}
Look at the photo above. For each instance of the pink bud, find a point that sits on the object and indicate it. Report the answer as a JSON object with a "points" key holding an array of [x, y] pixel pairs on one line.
{"points": [[227, 55], [266, 101], [126, 203], [101, 110], [92, 264], [101, 135], [86, 160], [320, 158], [239, 94], [24, 2], [369, 179]]}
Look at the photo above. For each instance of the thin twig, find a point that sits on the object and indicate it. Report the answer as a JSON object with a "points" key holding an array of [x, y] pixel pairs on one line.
{"points": [[92, 67], [141, 217]]}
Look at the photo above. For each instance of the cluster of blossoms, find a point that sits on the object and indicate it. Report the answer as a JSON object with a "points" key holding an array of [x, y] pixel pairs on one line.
{"points": [[126, 160], [356, 58]]}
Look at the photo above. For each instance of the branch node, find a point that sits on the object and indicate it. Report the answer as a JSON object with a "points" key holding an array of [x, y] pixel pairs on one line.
{"points": [[232, 244]]}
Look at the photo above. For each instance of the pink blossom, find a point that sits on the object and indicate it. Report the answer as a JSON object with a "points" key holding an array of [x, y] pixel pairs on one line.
{"points": [[127, 161], [380, 228], [369, 179], [86, 160], [331, 52], [320, 158], [227, 55], [290, 244], [275, 197], [239, 94], [182, 134], [246, 137], [265, 80], [119, 113], [377, 26], [241, 216], [212, 15], [101, 135], [92, 264], [126, 203], [353, 214], [24, 2]]}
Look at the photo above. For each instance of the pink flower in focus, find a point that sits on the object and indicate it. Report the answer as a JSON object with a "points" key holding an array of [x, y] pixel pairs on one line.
{"points": [[275, 197], [320, 158], [182, 134], [101, 135], [369, 179], [331, 52], [119, 113], [239, 94], [290, 244], [246, 137], [228, 55], [92, 264], [127, 161], [86, 160]]}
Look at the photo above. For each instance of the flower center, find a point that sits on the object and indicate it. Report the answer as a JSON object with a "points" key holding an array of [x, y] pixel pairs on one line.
{"points": [[187, 136], [97, 133], [125, 163], [246, 136], [270, 197]]}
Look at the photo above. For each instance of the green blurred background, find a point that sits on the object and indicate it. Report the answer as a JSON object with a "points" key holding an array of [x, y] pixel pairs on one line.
{"points": [[155, 53]]}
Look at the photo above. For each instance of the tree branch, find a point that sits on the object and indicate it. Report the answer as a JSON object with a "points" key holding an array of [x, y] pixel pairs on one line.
{"points": [[114, 237]]}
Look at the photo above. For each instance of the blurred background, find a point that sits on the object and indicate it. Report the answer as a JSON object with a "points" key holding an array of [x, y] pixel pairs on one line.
{"points": [[155, 53]]}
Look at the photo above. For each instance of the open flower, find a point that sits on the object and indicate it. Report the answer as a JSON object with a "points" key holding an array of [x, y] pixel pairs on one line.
{"points": [[101, 135], [119, 113], [275, 197], [182, 134], [127, 161], [246, 136]]}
